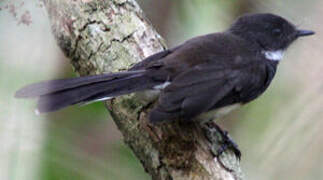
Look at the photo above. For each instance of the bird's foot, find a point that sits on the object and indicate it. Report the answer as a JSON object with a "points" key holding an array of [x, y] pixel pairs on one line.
{"points": [[222, 138], [227, 143]]}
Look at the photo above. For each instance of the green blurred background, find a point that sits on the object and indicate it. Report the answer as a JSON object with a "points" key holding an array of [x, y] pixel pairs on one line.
{"points": [[280, 134]]}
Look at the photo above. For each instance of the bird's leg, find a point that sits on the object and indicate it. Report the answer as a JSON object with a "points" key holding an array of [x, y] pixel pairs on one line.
{"points": [[227, 143], [215, 134]]}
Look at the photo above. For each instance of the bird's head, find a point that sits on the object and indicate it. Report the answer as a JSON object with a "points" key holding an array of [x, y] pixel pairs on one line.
{"points": [[269, 31]]}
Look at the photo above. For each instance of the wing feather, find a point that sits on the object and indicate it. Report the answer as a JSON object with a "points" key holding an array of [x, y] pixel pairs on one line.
{"points": [[193, 93]]}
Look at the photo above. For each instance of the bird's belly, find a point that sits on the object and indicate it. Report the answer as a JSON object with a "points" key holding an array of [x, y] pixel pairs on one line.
{"points": [[148, 96], [151, 95], [218, 113]]}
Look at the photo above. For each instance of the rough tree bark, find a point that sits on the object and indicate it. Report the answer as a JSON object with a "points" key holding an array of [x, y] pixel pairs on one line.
{"points": [[106, 36]]}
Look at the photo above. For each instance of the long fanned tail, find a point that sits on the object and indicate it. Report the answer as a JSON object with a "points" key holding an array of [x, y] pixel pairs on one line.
{"points": [[57, 94]]}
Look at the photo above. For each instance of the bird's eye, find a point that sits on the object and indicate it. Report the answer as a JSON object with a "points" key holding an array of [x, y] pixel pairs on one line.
{"points": [[276, 32]]}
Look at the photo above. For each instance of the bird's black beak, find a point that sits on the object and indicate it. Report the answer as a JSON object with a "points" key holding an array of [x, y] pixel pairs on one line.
{"points": [[301, 33]]}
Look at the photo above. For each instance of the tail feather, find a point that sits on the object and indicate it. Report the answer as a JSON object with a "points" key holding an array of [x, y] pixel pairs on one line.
{"points": [[47, 87], [57, 94]]}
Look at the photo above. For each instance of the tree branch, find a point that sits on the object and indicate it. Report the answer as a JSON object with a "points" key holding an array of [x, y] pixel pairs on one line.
{"points": [[105, 36]]}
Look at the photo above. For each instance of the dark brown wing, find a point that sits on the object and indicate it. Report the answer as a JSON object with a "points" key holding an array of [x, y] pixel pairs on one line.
{"points": [[194, 92]]}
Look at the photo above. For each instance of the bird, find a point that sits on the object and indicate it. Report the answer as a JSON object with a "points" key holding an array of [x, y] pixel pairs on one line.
{"points": [[206, 76]]}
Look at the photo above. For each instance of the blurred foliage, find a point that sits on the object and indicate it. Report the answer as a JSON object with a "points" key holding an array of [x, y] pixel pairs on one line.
{"points": [[279, 133]]}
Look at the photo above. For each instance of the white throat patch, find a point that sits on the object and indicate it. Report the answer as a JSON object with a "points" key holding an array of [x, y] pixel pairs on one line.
{"points": [[274, 55]]}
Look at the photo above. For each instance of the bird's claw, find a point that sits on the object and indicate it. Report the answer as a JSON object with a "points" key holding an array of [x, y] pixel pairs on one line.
{"points": [[227, 143], [221, 139]]}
